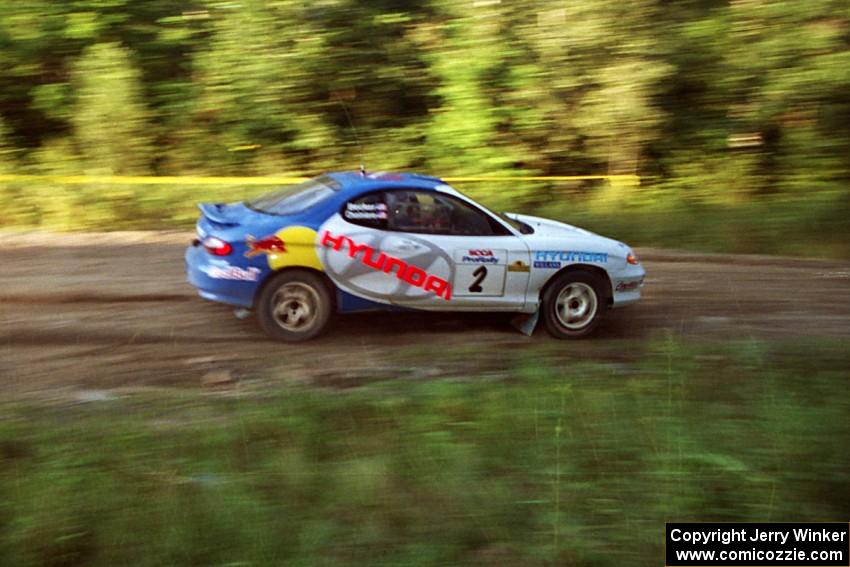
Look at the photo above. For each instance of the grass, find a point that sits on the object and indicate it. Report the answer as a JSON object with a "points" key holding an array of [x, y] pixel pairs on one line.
{"points": [[788, 229], [553, 461]]}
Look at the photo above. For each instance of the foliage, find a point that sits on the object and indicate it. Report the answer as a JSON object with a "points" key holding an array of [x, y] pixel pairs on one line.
{"points": [[734, 105], [109, 121], [551, 460]]}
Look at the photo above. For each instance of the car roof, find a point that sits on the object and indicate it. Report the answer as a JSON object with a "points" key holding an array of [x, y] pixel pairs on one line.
{"points": [[354, 182]]}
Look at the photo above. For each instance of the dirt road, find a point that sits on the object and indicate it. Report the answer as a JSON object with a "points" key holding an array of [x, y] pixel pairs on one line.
{"points": [[101, 311]]}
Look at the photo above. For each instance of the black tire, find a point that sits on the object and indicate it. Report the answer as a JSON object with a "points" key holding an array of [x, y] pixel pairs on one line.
{"points": [[308, 311], [583, 302]]}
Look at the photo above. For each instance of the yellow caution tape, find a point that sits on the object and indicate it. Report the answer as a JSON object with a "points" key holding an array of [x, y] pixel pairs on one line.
{"points": [[146, 180], [539, 178], [244, 148], [195, 180]]}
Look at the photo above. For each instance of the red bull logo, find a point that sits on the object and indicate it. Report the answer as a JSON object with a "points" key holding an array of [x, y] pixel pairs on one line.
{"points": [[268, 245]]}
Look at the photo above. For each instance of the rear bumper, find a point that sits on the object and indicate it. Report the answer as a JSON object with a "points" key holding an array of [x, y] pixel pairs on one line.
{"points": [[218, 280]]}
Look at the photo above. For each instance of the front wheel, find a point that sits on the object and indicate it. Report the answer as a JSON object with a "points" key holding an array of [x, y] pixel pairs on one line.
{"points": [[573, 305], [294, 306]]}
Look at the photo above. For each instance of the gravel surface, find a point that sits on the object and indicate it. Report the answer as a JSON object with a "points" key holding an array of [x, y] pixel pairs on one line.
{"points": [[81, 312]]}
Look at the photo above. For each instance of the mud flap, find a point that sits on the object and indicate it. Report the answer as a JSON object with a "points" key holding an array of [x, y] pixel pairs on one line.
{"points": [[525, 323]]}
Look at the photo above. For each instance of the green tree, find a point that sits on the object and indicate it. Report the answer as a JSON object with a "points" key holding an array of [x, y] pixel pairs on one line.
{"points": [[6, 149], [110, 120], [255, 95], [597, 69], [470, 131], [285, 97]]}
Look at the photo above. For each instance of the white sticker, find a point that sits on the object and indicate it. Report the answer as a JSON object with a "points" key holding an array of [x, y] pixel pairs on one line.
{"points": [[480, 256], [370, 211]]}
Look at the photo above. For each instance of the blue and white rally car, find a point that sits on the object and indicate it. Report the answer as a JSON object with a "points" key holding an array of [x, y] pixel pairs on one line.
{"points": [[347, 242]]}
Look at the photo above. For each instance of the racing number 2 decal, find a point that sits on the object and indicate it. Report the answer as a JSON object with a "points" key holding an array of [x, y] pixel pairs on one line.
{"points": [[480, 273]]}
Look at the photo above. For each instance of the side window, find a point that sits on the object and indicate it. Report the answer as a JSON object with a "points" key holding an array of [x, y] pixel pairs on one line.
{"points": [[428, 212], [369, 210]]}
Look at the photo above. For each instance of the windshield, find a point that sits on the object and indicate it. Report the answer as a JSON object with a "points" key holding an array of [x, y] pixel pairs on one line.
{"points": [[295, 198]]}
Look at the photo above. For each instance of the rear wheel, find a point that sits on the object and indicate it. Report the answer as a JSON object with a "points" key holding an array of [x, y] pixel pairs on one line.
{"points": [[573, 305], [294, 306]]}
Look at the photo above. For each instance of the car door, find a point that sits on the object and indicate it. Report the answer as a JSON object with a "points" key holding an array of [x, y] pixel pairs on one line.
{"points": [[429, 250]]}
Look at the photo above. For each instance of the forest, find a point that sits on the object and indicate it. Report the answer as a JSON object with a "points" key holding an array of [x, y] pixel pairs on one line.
{"points": [[732, 114]]}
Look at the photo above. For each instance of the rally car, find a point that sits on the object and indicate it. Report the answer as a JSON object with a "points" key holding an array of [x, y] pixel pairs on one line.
{"points": [[351, 241]]}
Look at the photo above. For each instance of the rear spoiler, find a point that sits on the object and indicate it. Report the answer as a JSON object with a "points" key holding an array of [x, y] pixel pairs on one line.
{"points": [[213, 212]]}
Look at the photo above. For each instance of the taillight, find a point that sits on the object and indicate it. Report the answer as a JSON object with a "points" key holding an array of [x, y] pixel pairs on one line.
{"points": [[632, 259], [217, 246]]}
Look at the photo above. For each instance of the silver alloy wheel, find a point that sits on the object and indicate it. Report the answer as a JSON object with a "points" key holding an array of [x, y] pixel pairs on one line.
{"points": [[576, 305], [294, 306]]}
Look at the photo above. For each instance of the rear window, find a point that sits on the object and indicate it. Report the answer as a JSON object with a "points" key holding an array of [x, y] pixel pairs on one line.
{"points": [[295, 198]]}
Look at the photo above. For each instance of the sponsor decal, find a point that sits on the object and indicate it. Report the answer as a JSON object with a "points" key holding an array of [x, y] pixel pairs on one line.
{"points": [[480, 256], [570, 256], [268, 245], [547, 265], [628, 285], [366, 211], [519, 266], [228, 272], [290, 246], [369, 257], [479, 260]]}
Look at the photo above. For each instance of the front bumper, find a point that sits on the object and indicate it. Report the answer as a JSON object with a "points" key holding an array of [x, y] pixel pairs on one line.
{"points": [[627, 285]]}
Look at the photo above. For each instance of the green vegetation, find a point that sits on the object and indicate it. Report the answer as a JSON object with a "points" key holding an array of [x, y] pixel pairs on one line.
{"points": [[724, 109], [546, 458]]}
